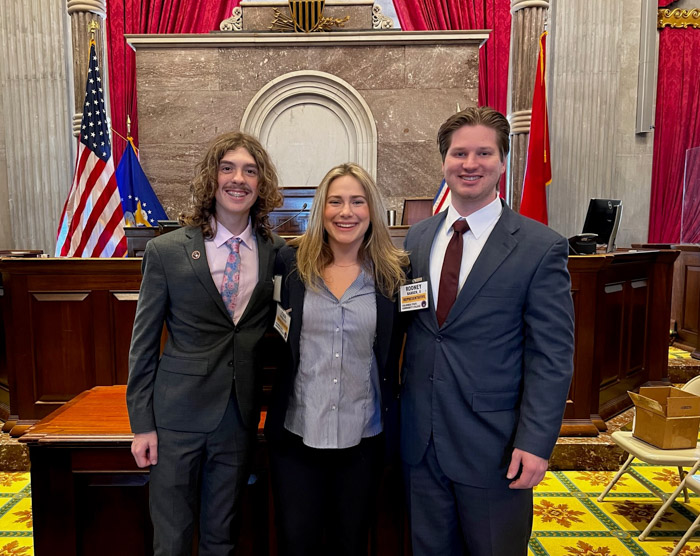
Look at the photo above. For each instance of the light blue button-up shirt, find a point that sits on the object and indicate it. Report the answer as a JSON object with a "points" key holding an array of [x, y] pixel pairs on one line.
{"points": [[336, 398]]}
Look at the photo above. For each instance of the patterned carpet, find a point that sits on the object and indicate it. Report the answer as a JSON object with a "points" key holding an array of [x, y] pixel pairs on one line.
{"points": [[15, 515], [568, 519]]}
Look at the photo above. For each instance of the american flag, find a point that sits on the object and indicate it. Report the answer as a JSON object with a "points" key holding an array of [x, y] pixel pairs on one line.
{"points": [[92, 222], [442, 199]]}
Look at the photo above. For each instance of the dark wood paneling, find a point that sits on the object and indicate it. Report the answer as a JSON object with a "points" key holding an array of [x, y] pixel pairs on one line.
{"points": [[67, 328], [62, 337]]}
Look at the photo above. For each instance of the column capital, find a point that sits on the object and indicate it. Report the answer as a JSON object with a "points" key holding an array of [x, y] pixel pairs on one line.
{"points": [[98, 7], [516, 5]]}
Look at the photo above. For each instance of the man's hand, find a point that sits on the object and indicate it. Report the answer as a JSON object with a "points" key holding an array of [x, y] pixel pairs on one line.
{"points": [[144, 448], [533, 469]]}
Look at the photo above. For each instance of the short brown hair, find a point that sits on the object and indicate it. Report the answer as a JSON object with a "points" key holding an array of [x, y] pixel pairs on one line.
{"points": [[205, 183], [483, 115]]}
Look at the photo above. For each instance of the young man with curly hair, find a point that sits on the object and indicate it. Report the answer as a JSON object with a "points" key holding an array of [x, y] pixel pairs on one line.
{"points": [[193, 410]]}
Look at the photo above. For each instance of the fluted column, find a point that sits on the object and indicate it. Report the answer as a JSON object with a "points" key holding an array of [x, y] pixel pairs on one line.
{"points": [[593, 94], [82, 13], [527, 24], [36, 147]]}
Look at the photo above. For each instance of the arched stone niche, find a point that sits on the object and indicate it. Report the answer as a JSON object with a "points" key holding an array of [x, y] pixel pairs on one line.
{"points": [[310, 121]]}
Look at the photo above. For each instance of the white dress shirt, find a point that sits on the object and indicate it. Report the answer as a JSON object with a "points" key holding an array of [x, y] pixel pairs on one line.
{"points": [[481, 224], [217, 255]]}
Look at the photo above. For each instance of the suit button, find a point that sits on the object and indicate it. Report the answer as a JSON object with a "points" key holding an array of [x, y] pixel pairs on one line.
{"points": [[438, 339], [230, 363], [237, 329], [431, 378], [384, 379]]}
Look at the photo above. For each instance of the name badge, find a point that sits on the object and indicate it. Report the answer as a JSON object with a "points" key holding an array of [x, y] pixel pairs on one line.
{"points": [[282, 322], [277, 288], [414, 296]]}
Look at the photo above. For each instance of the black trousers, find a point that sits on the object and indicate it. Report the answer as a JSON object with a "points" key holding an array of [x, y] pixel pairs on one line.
{"points": [[199, 472], [324, 498]]}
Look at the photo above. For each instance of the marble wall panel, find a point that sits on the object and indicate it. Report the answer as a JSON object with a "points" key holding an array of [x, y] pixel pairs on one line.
{"points": [[259, 18], [441, 67], [174, 69], [170, 168], [407, 170], [178, 118], [398, 120], [251, 68], [200, 115]]}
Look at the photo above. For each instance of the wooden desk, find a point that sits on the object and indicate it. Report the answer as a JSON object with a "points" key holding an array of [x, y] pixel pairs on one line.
{"points": [[88, 496], [68, 328], [622, 303]]}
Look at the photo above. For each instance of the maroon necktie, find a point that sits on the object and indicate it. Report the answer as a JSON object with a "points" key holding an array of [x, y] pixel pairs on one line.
{"points": [[449, 277]]}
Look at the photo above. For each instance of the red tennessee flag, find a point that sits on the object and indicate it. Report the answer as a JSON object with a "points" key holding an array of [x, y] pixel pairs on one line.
{"points": [[538, 169]]}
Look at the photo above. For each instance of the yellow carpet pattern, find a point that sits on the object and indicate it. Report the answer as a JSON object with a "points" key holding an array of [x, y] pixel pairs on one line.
{"points": [[568, 521], [15, 515]]}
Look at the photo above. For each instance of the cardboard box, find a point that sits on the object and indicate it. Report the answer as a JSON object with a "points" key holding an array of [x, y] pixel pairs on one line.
{"points": [[667, 417]]}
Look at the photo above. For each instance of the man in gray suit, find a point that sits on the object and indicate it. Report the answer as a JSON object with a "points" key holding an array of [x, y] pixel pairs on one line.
{"points": [[194, 410], [488, 364]]}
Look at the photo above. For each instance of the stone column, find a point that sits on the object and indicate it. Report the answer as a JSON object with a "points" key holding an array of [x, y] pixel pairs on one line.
{"points": [[594, 69], [527, 24], [36, 156], [82, 13]]}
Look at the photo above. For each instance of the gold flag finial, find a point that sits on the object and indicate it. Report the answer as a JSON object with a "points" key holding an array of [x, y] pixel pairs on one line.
{"points": [[93, 27], [128, 127], [458, 108]]}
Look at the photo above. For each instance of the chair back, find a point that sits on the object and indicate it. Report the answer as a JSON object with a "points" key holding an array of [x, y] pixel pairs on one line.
{"points": [[692, 386], [693, 483]]}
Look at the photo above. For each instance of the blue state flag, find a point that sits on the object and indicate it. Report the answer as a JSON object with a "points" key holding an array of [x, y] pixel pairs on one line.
{"points": [[140, 204]]}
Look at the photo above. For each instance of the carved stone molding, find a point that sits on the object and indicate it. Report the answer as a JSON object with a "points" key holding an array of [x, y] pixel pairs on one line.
{"points": [[379, 20], [321, 92], [98, 7], [516, 5], [679, 19], [233, 23]]}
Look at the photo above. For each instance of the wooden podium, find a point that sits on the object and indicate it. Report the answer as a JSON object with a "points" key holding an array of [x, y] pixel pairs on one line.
{"points": [[88, 496]]}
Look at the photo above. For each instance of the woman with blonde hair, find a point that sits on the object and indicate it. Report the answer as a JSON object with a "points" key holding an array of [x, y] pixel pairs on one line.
{"points": [[334, 412]]}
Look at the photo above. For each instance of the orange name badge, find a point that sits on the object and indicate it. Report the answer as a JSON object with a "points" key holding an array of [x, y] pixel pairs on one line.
{"points": [[282, 322], [414, 296]]}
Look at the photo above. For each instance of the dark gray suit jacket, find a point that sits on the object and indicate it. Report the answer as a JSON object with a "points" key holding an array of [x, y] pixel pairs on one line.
{"points": [[188, 388], [496, 374]]}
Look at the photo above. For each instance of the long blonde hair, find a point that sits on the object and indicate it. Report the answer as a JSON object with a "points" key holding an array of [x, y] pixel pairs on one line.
{"points": [[377, 253]]}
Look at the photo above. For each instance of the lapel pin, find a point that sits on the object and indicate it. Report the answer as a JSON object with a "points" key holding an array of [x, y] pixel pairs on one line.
{"points": [[196, 255]]}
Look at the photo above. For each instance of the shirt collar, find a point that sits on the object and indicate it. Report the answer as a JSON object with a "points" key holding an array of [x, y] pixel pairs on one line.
{"points": [[223, 235], [478, 221]]}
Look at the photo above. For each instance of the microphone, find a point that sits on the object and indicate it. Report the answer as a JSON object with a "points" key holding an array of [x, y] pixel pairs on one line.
{"points": [[302, 209]]}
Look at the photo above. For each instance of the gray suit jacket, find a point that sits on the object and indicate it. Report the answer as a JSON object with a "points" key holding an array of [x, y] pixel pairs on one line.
{"points": [[496, 374], [187, 389]]}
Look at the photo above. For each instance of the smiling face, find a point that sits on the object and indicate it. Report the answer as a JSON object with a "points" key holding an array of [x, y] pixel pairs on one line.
{"points": [[346, 213], [237, 188], [473, 168]]}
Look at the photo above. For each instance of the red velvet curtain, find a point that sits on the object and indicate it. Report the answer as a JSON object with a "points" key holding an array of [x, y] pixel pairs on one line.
{"points": [[424, 15], [148, 16], [677, 129]]}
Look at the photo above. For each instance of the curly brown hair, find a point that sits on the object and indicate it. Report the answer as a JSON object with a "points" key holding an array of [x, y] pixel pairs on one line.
{"points": [[205, 184]]}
